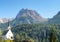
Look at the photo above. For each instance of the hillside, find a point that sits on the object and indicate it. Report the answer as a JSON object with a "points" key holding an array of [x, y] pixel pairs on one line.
{"points": [[55, 19], [37, 32]]}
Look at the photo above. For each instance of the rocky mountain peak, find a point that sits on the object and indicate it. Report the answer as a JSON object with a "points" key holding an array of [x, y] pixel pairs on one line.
{"points": [[27, 12], [28, 16]]}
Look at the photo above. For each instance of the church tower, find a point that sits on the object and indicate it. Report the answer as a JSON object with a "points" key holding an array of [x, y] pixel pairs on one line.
{"points": [[9, 34]]}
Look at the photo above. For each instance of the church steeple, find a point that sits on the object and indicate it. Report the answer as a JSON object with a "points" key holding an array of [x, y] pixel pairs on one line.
{"points": [[8, 22], [9, 27]]}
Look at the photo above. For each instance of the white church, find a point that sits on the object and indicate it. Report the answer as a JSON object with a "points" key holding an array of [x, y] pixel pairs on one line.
{"points": [[8, 34]]}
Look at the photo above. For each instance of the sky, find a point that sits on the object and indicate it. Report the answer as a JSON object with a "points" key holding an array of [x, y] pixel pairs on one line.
{"points": [[46, 8]]}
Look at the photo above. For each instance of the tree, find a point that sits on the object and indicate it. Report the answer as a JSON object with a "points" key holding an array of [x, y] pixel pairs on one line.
{"points": [[28, 40], [17, 38], [53, 36], [0, 35]]}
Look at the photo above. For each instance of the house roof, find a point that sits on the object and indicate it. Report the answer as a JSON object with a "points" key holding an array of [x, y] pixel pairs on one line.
{"points": [[5, 32]]}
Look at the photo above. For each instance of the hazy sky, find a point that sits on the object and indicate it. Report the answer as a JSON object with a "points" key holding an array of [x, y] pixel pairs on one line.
{"points": [[46, 8]]}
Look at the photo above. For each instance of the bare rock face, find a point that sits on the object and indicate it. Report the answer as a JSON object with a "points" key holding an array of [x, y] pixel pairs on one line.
{"points": [[4, 20], [29, 16]]}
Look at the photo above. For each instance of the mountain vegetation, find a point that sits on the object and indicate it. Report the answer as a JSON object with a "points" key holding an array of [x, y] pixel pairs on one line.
{"points": [[55, 19]]}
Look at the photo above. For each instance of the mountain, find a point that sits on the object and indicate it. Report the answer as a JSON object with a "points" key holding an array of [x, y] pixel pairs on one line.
{"points": [[24, 16], [56, 18], [4, 20], [28, 16]]}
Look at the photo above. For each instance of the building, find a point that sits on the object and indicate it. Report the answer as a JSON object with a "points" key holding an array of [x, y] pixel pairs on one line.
{"points": [[8, 34]]}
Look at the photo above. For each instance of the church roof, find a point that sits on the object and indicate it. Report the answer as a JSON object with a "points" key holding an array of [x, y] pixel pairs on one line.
{"points": [[5, 32]]}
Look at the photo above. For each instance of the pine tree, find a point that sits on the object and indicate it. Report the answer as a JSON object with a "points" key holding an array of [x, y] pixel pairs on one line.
{"points": [[17, 38], [53, 36]]}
